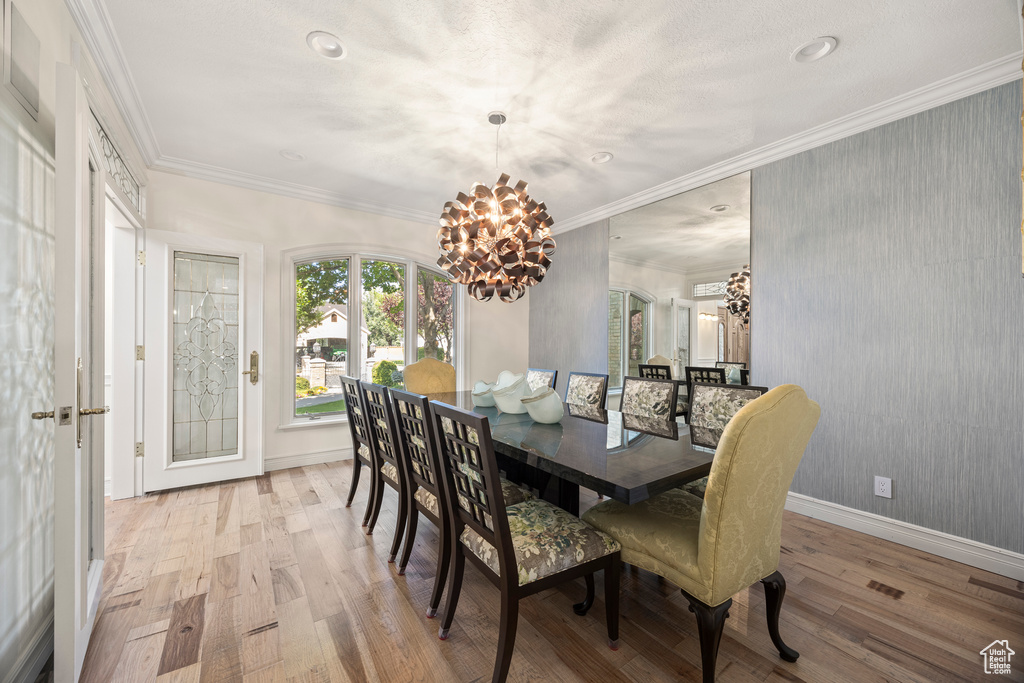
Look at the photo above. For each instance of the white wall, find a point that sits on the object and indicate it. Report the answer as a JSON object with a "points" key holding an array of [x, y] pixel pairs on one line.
{"points": [[664, 285], [497, 333]]}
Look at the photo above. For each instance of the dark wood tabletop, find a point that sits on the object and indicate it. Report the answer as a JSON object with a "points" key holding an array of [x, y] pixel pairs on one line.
{"points": [[622, 457]]}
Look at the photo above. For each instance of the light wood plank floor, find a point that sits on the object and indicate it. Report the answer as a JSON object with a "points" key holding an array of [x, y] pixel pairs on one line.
{"points": [[271, 579]]}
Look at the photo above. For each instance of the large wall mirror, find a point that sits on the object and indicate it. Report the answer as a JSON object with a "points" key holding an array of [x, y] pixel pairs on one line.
{"points": [[669, 263]]}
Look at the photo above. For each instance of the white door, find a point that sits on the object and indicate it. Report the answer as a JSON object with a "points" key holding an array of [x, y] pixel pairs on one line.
{"points": [[681, 311], [79, 372], [204, 347]]}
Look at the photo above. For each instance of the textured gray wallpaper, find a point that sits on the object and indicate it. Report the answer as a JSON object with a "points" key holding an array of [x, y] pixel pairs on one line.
{"points": [[569, 309], [886, 282]]}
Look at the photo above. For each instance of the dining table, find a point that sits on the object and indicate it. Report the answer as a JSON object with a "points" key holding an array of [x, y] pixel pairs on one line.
{"points": [[624, 457]]}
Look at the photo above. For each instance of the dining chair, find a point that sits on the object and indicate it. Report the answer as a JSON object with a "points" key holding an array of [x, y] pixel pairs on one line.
{"points": [[735, 372], [362, 446], [712, 406], [714, 548], [692, 375], [658, 359], [429, 376], [380, 417], [649, 397], [655, 371], [538, 378], [522, 549], [585, 388]]}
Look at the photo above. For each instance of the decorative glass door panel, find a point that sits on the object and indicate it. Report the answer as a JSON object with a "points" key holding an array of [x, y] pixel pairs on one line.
{"points": [[205, 350], [682, 353]]}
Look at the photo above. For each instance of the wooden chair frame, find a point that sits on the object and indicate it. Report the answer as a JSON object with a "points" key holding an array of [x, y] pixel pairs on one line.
{"points": [[355, 409], [655, 371], [486, 502], [708, 376], [380, 414]]}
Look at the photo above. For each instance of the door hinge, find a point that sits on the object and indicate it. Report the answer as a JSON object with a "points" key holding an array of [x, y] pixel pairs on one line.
{"points": [[140, 449], [142, 258], [140, 352]]}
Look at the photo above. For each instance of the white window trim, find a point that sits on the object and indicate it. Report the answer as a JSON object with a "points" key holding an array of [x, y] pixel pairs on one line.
{"points": [[356, 255], [651, 302]]}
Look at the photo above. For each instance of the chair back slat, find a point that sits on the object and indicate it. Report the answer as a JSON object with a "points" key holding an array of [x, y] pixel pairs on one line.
{"points": [[381, 423], [471, 476], [712, 406], [649, 397], [416, 437], [587, 388], [655, 371], [694, 375], [356, 412]]}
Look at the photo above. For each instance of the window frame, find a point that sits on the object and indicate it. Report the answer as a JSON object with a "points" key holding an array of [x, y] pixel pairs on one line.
{"points": [[412, 263], [650, 302]]}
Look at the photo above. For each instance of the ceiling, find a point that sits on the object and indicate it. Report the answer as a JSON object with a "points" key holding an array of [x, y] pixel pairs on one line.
{"points": [[682, 233], [400, 123]]}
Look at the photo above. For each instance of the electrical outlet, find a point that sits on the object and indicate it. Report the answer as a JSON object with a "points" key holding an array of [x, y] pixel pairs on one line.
{"points": [[883, 487]]}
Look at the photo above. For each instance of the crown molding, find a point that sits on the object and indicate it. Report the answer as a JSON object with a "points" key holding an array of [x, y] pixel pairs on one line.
{"points": [[636, 263], [216, 174], [978, 79], [93, 22]]}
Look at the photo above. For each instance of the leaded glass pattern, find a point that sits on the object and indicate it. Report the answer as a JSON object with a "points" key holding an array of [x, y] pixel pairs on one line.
{"points": [[205, 319], [117, 172]]}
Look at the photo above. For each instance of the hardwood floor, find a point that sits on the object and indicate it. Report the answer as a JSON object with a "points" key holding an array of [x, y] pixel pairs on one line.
{"points": [[272, 579]]}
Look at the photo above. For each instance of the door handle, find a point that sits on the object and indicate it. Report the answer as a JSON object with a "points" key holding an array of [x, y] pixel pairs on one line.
{"points": [[94, 411], [83, 412], [42, 415], [254, 368]]}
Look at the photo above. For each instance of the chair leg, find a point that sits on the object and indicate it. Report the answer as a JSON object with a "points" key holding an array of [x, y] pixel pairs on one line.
{"points": [[374, 476], [357, 467], [506, 634], [400, 522], [444, 558], [611, 602], [581, 608], [710, 622], [410, 536], [375, 503], [774, 592], [454, 588]]}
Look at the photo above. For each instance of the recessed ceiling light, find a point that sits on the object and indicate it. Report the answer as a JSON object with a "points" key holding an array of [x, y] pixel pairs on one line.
{"points": [[291, 155], [615, 237], [814, 50], [602, 157], [326, 45], [719, 208]]}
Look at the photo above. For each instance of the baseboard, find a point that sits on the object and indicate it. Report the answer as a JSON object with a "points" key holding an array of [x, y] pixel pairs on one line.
{"points": [[973, 553], [283, 462], [31, 662], [106, 487]]}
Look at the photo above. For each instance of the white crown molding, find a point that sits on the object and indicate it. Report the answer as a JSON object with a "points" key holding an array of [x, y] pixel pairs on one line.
{"points": [[93, 22], [972, 553], [984, 77], [249, 181]]}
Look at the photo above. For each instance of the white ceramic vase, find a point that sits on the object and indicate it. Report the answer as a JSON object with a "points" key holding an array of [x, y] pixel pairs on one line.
{"points": [[482, 396], [507, 391], [544, 405]]}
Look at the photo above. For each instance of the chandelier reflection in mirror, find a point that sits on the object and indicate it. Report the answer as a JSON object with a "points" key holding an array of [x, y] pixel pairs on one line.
{"points": [[495, 240], [737, 295]]}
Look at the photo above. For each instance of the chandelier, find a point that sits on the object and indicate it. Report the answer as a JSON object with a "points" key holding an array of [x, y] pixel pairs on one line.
{"points": [[495, 240], [737, 294]]}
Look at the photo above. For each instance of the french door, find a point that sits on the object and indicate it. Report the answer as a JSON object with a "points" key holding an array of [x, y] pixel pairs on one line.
{"points": [[79, 372], [681, 336], [203, 386]]}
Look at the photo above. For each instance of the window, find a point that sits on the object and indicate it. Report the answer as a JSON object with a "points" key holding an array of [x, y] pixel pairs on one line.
{"points": [[628, 334], [363, 328]]}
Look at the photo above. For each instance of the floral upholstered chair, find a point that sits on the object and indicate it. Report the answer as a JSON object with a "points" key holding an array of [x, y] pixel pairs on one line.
{"points": [[649, 397], [716, 547], [711, 409], [429, 376], [692, 375], [522, 549], [361, 442], [587, 389], [537, 378]]}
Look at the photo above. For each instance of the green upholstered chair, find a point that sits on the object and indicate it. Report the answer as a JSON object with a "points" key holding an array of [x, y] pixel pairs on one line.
{"points": [[429, 376], [522, 549], [715, 547]]}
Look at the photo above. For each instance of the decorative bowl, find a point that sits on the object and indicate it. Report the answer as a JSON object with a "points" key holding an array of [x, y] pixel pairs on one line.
{"points": [[482, 396], [543, 405], [508, 390]]}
